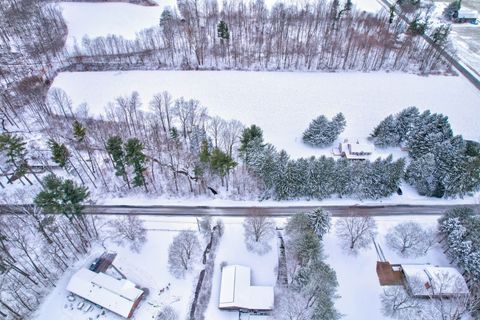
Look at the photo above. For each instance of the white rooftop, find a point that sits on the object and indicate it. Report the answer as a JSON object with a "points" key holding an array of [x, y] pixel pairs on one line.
{"points": [[428, 280], [467, 13], [118, 296], [237, 293]]}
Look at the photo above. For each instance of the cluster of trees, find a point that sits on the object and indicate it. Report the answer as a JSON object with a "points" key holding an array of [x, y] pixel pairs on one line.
{"points": [[443, 165], [460, 235], [39, 242], [311, 288], [317, 178], [322, 133], [324, 35]]}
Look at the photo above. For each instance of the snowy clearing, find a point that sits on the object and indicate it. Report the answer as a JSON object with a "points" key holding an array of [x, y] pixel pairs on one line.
{"points": [[284, 103], [149, 269]]}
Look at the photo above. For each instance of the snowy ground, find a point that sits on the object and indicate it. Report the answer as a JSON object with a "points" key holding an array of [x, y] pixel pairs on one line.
{"points": [[232, 250], [284, 103], [148, 269], [358, 282], [465, 37]]}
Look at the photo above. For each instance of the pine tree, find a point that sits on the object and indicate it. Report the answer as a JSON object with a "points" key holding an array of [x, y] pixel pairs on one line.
{"points": [[322, 133], [79, 131], [320, 221], [422, 174], [60, 153], [62, 196], [135, 157], [222, 31], [114, 147], [386, 133], [221, 163], [251, 139]]}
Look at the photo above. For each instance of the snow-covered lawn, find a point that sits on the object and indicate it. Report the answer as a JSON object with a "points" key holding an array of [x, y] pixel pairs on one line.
{"points": [[284, 103], [358, 282], [149, 269], [232, 250]]}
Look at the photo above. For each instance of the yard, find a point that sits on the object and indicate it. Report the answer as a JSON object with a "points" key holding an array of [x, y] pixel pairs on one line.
{"points": [[148, 269]]}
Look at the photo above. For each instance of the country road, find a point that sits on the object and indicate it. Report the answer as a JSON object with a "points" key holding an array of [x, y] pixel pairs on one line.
{"points": [[279, 211]]}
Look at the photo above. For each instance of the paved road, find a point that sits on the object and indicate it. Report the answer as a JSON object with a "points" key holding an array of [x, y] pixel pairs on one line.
{"points": [[376, 210], [467, 71]]}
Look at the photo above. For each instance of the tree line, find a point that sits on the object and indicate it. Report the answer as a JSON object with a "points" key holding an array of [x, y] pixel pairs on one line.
{"points": [[318, 35]]}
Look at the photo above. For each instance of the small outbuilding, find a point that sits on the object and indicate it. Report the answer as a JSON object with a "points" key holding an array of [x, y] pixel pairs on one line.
{"points": [[120, 296], [237, 293]]}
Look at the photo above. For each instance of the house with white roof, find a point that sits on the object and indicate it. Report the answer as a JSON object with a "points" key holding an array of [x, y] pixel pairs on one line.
{"points": [[355, 151], [466, 15], [237, 293], [120, 296], [425, 280]]}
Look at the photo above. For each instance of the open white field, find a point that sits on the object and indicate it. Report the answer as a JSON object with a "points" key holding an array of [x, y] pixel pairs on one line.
{"points": [[148, 269], [359, 288], [284, 103]]}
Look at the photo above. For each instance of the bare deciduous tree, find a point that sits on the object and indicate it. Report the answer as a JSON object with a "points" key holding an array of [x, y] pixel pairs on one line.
{"points": [[129, 230], [409, 239], [356, 232], [183, 252], [258, 230]]}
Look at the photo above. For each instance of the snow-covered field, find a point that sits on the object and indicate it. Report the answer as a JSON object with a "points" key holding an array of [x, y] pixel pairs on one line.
{"points": [[359, 288], [149, 269], [284, 103]]}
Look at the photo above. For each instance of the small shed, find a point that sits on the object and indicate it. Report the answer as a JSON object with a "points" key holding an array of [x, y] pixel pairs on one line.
{"points": [[236, 292], [119, 296]]}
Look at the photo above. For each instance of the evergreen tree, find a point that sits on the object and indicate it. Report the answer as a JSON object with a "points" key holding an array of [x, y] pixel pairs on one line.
{"points": [[422, 174], [222, 31], [62, 196], [386, 133], [114, 147], [322, 133], [320, 221], [13, 148], [221, 163], [135, 157], [251, 140], [60, 153], [79, 131]]}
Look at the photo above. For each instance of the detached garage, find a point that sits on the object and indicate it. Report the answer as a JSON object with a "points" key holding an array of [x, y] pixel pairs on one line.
{"points": [[236, 292]]}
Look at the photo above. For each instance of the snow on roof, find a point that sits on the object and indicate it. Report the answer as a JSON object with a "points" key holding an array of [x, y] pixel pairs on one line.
{"points": [[361, 147], [118, 296], [428, 280], [467, 13], [237, 293]]}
